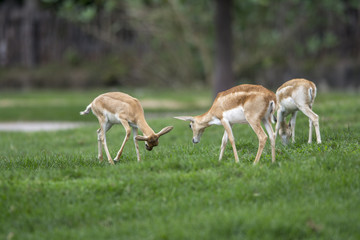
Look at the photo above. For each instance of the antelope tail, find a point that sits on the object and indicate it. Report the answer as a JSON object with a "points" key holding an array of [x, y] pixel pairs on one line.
{"points": [[87, 110], [272, 111]]}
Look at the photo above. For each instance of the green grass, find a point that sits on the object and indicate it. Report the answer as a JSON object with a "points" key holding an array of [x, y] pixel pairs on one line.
{"points": [[53, 187], [66, 105]]}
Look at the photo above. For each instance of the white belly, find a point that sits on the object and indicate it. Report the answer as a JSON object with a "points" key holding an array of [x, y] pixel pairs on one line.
{"points": [[112, 118], [235, 115], [288, 105]]}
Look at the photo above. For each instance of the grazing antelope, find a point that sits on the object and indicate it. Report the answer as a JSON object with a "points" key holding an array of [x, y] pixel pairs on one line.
{"points": [[115, 108], [294, 95], [246, 103]]}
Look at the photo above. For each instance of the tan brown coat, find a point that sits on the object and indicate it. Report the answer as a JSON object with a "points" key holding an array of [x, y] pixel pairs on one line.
{"points": [[250, 104], [292, 96], [120, 108]]}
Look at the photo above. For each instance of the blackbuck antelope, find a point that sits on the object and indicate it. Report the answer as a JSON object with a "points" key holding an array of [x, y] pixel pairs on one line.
{"points": [[294, 95], [246, 103], [115, 108]]}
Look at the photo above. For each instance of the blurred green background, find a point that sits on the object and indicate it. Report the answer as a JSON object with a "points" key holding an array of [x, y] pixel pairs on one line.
{"points": [[81, 44]]}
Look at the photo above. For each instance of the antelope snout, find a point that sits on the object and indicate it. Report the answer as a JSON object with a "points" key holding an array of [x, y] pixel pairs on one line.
{"points": [[148, 147], [285, 140], [194, 140]]}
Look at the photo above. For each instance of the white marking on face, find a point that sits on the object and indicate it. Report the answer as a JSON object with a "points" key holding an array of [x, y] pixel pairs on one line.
{"points": [[197, 130], [285, 139], [196, 137], [235, 115]]}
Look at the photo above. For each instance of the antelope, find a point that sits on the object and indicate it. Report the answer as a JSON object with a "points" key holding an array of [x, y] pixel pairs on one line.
{"points": [[120, 108], [292, 96], [251, 104]]}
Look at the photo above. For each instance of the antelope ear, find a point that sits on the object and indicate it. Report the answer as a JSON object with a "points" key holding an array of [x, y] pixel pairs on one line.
{"points": [[185, 118], [141, 138], [165, 130]]}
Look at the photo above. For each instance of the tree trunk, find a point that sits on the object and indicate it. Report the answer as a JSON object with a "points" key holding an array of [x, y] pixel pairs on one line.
{"points": [[29, 35], [223, 76]]}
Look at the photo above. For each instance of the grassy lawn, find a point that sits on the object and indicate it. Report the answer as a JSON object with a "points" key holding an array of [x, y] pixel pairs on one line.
{"points": [[66, 105], [53, 187]]}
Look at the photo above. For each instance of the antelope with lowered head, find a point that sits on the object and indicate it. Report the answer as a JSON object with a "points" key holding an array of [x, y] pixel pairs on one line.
{"points": [[292, 96], [251, 104], [120, 108]]}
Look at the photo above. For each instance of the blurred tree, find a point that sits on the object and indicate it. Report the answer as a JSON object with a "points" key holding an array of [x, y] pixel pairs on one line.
{"points": [[223, 73], [171, 42], [194, 38]]}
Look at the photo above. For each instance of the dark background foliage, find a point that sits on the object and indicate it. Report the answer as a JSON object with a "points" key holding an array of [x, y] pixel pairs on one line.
{"points": [[172, 43]]}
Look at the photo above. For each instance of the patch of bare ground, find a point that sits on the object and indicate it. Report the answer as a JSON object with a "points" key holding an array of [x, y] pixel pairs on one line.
{"points": [[37, 126], [171, 104]]}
